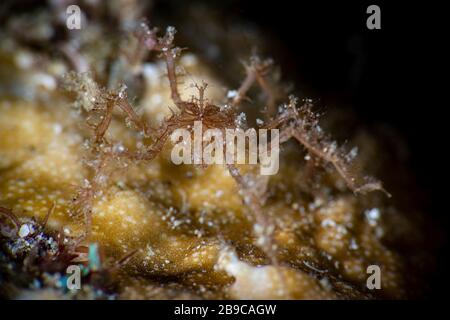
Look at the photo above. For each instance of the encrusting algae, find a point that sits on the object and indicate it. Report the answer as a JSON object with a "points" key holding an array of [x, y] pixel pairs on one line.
{"points": [[101, 173]]}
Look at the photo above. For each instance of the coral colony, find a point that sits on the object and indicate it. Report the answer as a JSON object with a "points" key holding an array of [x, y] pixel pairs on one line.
{"points": [[300, 123], [153, 183]]}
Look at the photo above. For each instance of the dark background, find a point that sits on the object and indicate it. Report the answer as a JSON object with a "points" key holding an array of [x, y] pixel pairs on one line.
{"points": [[391, 76], [388, 76]]}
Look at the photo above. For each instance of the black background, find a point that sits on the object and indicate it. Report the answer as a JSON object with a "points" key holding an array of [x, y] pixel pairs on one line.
{"points": [[397, 84], [393, 76], [400, 81]]}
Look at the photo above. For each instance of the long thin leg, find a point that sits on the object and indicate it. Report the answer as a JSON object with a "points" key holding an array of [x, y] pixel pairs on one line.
{"points": [[245, 86], [256, 72], [263, 228], [303, 125], [172, 75], [164, 46]]}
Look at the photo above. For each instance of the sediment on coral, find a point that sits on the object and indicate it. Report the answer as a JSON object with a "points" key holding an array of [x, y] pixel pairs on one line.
{"points": [[86, 177]]}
